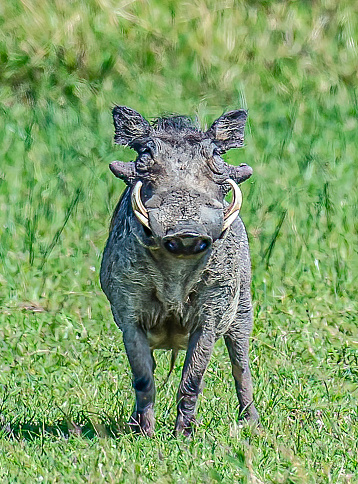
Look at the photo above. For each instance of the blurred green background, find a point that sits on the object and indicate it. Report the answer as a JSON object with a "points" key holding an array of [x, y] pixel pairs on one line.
{"points": [[63, 65]]}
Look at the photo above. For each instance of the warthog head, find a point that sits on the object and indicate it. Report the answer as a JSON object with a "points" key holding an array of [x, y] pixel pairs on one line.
{"points": [[179, 180]]}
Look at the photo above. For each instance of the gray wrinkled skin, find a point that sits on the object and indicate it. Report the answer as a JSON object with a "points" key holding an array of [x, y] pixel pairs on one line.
{"points": [[179, 300]]}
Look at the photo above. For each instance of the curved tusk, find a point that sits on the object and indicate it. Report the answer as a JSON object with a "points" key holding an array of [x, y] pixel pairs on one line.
{"points": [[139, 209], [233, 209]]}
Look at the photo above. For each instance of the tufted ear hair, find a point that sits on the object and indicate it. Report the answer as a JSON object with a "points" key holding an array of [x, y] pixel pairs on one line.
{"points": [[129, 126], [228, 131]]}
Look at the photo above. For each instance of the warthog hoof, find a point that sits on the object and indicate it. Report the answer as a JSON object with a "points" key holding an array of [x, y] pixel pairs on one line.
{"points": [[250, 415], [143, 422], [184, 426]]}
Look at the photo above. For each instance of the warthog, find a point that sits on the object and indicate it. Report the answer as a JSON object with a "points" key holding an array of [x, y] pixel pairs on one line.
{"points": [[176, 267]]}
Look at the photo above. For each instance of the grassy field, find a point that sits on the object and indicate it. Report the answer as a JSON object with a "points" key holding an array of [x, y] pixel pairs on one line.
{"points": [[65, 386]]}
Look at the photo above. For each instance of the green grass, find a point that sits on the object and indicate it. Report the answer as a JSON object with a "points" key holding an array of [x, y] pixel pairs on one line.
{"points": [[65, 386]]}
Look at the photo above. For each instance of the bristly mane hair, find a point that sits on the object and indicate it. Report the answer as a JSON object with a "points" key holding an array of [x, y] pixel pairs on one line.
{"points": [[175, 122], [174, 127]]}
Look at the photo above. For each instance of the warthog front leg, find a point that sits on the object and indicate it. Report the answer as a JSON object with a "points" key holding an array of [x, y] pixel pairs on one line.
{"points": [[142, 365], [197, 359], [238, 347]]}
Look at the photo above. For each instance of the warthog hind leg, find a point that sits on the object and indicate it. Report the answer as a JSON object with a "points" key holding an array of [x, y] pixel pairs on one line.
{"points": [[238, 347]]}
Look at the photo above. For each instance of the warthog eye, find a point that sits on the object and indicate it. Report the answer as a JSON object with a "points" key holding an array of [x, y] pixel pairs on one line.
{"points": [[149, 149], [146, 151]]}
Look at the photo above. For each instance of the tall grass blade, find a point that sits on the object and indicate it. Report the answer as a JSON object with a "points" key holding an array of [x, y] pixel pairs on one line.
{"points": [[58, 233], [268, 252]]}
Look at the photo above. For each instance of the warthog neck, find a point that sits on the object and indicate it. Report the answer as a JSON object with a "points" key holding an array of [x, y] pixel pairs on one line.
{"points": [[175, 278]]}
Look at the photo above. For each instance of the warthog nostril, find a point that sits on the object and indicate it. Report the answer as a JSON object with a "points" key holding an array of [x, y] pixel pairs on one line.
{"points": [[186, 244], [172, 245], [201, 246]]}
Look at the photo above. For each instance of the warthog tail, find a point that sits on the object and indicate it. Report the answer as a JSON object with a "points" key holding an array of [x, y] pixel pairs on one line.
{"points": [[172, 363]]}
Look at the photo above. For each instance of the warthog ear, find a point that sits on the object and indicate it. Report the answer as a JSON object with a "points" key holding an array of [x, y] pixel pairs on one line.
{"points": [[129, 126], [228, 131]]}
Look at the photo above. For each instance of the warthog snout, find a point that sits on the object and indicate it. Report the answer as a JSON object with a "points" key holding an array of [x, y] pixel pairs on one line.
{"points": [[186, 243]]}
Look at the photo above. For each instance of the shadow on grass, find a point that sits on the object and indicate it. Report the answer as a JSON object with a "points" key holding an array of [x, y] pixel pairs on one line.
{"points": [[88, 426]]}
